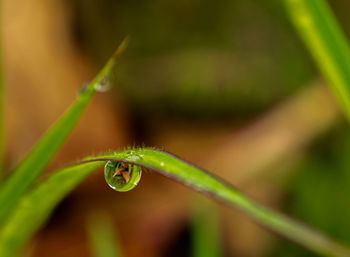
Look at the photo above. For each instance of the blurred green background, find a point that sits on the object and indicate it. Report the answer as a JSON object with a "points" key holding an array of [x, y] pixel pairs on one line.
{"points": [[227, 85], [198, 59]]}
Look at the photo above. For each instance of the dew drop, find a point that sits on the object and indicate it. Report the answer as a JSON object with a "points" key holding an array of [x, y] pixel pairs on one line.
{"points": [[121, 176], [133, 157], [104, 85], [83, 88]]}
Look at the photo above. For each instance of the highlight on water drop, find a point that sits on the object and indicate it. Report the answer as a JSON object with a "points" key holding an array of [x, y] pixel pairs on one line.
{"points": [[122, 176], [104, 85]]}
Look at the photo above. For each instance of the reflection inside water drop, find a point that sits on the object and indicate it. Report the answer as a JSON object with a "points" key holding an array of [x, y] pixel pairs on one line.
{"points": [[121, 176], [104, 85]]}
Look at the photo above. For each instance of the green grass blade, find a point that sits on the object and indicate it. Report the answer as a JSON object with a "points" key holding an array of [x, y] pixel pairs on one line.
{"points": [[35, 162], [36, 205], [193, 177], [326, 42], [34, 208], [206, 229], [102, 236]]}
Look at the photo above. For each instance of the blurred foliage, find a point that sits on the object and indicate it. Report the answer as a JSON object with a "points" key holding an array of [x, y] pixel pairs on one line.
{"points": [[196, 58], [102, 236], [327, 44], [222, 60], [206, 229], [319, 192]]}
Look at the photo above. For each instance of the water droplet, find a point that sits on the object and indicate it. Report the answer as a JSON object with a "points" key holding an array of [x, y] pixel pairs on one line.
{"points": [[104, 85], [133, 157], [83, 88], [121, 176], [162, 164]]}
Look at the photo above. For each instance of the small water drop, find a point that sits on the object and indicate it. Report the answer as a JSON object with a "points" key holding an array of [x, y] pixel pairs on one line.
{"points": [[162, 164], [133, 157], [104, 85], [121, 176], [83, 88]]}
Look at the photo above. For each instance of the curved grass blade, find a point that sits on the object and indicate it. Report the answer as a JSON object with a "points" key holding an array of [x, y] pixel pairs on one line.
{"points": [[35, 162], [48, 194], [326, 42], [34, 208], [102, 236]]}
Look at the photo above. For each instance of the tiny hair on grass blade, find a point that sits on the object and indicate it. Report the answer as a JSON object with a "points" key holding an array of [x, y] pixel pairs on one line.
{"points": [[40, 155], [45, 198]]}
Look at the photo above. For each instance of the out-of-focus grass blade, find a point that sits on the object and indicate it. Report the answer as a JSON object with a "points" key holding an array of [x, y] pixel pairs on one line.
{"points": [[36, 206], [326, 42], [205, 229], [102, 236], [35, 162]]}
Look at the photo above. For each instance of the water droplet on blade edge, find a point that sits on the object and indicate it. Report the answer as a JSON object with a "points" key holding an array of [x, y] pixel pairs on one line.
{"points": [[104, 85], [122, 177]]}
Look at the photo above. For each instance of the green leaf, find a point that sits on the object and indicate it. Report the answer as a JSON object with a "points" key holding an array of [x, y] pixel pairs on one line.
{"points": [[326, 42], [37, 205], [102, 236], [34, 208], [206, 229], [35, 162]]}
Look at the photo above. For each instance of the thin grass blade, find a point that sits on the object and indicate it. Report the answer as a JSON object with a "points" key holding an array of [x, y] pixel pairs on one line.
{"points": [[326, 42], [206, 239], [34, 208], [37, 205], [102, 236], [35, 162]]}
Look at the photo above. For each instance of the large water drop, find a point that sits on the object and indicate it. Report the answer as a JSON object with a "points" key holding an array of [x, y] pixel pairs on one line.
{"points": [[121, 176]]}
